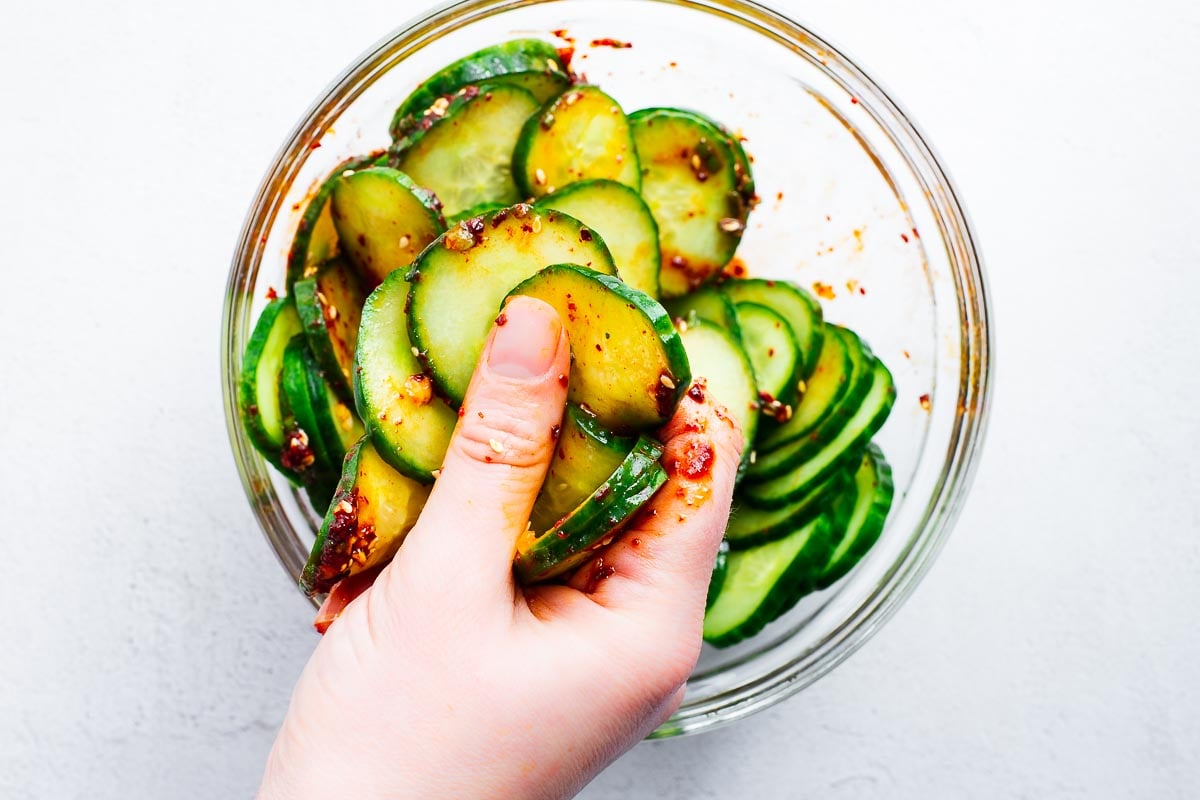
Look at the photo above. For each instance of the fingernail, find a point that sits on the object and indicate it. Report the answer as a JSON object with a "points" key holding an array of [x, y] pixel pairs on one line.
{"points": [[525, 340]]}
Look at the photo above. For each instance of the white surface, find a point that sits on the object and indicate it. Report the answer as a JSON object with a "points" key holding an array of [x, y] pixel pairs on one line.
{"points": [[1051, 652]]}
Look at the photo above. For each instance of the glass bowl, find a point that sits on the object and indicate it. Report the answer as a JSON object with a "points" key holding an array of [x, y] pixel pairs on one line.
{"points": [[854, 206]]}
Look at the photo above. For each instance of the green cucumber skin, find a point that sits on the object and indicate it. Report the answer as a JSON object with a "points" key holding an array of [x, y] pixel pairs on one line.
{"points": [[843, 354], [720, 569], [586, 201], [867, 518], [539, 127], [302, 262], [842, 450], [633, 484], [707, 302], [545, 237], [777, 458], [480, 210], [749, 526], [275, 327], [787, 589], [506, 61], [798, 307], [304, 386], [300, 419], [417, 450], [752, 317], [309, 582], [666, 388], [332, 335]]}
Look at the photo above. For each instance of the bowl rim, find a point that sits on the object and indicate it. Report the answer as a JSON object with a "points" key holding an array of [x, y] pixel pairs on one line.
{"points": [[976, 344]]}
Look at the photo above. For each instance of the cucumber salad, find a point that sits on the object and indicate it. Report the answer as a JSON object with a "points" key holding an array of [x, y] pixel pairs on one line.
{"points": [[508, 174]]}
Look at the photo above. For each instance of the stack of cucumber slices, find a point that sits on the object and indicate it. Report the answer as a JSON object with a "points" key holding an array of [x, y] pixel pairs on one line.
{"points": [[508, 176]]}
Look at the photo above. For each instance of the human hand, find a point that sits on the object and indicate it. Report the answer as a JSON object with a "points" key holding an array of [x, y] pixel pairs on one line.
{"points": [[445, 678]]}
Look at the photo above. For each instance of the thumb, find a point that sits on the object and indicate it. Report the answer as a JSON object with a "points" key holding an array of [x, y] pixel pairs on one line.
{"points": [[499, 453]]}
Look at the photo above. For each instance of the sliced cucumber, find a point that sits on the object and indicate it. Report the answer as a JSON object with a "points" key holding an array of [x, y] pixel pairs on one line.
{"points": [[462, 146], [843, 449], [531, 64], [308, 398], [717, 357], [798, 307], [777, 455], [628, 365], [460, 281], [408, 425], [316, 239], [373, 509], [581, 134], [749, 526], [481, 210], [623, 220], [383, 220], [717, 581], [592, 525], [586, 455], [765, 581], [330, 306], [691, 186], [867, 508], [773, 352], [258, 385], [842, 358], [709, 303]]}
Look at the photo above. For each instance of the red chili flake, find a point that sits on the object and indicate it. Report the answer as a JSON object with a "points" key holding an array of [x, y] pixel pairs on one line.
{"points": [[904, 237], [696, 460], [462, 412], [271, 293], [823, 290], [555, 430], [779, 195], [827, 218], [634, 542], [925, 402], [674, 64], [906, 355], [585, 235], [252, 410], [313, 145], [502, 319], [562, 379], [295, 206], [854, 100], [566, 54], [696, 393], [915, 234], [614, 43], [598, 349], [736, 268]]}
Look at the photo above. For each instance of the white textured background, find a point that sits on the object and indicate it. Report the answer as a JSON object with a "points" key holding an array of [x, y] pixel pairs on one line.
{"points": [[149, 642]]}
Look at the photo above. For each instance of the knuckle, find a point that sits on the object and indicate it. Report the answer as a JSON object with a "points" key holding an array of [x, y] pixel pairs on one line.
{"points": [[503, 435]]}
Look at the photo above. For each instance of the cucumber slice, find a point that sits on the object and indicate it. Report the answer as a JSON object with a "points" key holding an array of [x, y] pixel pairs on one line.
{"points": [[316, 239], [373, 509], [258, 385], [586, 455], [593, 524], [866, 508], [741, 170], [531, 64], [798, 307], [628, 365], [773, 352], [481, 210], [460, 281], [778, 455], [462, 146], [708, 303], [842, 358], [717, 357], [409, 427], [717, 581], [581, 134], [330, 306], [623, 220], [845, 448], [691, 186], [309, 400], [765, 581], [749, 526], [383, 220]]}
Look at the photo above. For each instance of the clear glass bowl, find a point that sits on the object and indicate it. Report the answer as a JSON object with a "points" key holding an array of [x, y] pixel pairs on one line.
{"points": [[855, 206]]}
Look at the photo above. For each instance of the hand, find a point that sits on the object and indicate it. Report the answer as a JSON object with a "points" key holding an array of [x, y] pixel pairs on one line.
{"points": [[445, 679]]}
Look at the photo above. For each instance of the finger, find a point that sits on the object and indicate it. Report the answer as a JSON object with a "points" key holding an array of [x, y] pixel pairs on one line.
{"points": [[498, 455], [664, 560]]}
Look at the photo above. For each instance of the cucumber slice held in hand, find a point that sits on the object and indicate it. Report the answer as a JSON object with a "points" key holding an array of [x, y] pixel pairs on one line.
{"points": [[372, 510], [624, 222], [330, 306], [866, 506], [408, 424], [585, 455], [547, 554], [773, 352], [692, 188], [723, 371], [530, 64], [461, 147], [383, 220], [581, 134], [460, 281], [628, 365], [258, 385]]}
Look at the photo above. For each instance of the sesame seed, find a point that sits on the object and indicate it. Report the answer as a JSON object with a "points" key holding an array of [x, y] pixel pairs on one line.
{"points": [[405, 240], [666, 381], [497, 448], [539, 176]]}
